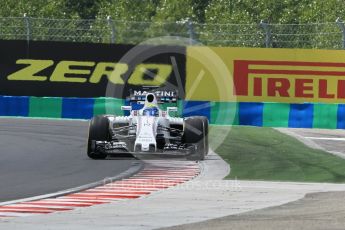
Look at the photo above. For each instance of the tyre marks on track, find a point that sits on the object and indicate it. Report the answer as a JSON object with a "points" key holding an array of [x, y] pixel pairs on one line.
{"points": [[156, 176]]}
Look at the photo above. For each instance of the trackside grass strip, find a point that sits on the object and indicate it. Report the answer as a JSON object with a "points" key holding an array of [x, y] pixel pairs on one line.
{"points": [[256, 153]]}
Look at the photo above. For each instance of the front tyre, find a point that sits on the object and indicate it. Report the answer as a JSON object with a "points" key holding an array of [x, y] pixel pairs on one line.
{"points": [[194, 133], [98, 131]]}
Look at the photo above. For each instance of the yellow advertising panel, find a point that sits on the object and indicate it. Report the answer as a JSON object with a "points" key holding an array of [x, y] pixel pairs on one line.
{"points": [[265, 75]]}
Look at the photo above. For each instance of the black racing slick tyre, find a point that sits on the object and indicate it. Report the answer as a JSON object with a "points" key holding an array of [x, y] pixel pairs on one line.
{"points": [[98, 131], [205, 120], [194, 133]]}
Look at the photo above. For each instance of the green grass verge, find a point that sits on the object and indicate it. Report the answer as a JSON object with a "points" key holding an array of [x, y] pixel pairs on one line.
{"points": [[265, 154]]}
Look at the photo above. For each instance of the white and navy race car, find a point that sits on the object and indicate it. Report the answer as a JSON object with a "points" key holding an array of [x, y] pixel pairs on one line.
{"points": [[148, 130]]}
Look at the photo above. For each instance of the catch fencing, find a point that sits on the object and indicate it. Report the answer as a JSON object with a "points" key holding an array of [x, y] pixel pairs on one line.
{"points": [[328, 35]]}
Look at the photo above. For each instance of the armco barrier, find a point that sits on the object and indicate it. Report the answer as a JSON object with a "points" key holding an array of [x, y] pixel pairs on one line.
{"points": [[14, 106], [304, 115], [45, 107], [341, 117]]}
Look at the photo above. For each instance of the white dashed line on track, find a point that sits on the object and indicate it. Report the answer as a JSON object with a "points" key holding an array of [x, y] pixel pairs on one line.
{"points": [[327, 138]]}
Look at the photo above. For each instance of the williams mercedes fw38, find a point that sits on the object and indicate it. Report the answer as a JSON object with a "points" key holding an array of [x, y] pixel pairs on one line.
{"points": [[148, 130]]}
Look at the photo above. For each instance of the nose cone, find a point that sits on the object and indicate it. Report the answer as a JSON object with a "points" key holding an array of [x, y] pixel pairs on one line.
{"points": [[150, 100]]}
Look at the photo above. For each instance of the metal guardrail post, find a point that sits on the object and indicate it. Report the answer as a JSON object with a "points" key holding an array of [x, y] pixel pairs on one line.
{"points": [[341, 25], [191, 32], [267, 30], [27, 25], [112, 28]]}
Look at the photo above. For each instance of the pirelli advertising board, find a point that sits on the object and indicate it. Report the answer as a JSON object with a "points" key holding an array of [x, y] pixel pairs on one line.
{"points": [[267, 75], [61, 69]]}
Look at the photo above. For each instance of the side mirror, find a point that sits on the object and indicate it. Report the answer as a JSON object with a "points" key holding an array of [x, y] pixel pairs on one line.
{"points": [[126, 108], [171, 109]]}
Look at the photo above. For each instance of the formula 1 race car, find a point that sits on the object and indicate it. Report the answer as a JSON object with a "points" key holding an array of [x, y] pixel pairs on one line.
{"points": [[148, 130]]}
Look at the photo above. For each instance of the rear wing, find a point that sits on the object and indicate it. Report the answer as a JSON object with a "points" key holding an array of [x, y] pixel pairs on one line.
{"points": [[162, 95]]}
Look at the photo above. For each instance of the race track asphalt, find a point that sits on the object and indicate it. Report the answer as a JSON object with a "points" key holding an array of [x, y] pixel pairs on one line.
{"points": [[39, 156]]}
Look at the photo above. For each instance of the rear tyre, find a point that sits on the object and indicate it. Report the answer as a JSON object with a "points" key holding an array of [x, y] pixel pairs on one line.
{"points": [[98, 131], [194, 133]]}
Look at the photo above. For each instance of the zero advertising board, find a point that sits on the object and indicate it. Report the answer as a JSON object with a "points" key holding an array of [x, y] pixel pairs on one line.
{"points": [[67, 69]]}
